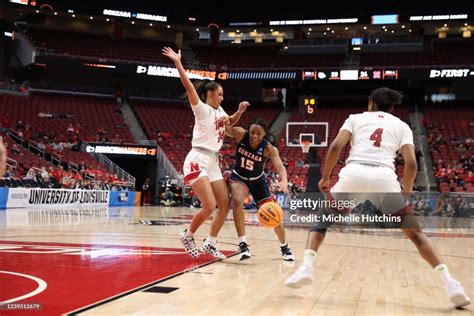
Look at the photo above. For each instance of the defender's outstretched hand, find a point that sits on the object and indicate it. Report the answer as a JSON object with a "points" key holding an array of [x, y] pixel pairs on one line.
{"points": [[243, 106], [171, 54]]}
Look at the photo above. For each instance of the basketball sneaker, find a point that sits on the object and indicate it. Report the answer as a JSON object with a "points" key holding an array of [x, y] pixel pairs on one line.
{"points": [[244, 251], [286, 253], [189, 245], [302, 276], [212, 250], [456, 294]]}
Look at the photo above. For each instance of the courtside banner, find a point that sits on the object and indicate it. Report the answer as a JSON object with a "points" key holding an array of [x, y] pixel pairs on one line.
{"points": [[20, 197], [3, 198], [122, 198]]}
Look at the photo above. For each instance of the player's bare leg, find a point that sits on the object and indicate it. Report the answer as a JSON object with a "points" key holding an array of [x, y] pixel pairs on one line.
{"points": [[305, 273], [239, 193], [220, 190], [203, 189], [430, 253], [284, 248], [204, 192]]}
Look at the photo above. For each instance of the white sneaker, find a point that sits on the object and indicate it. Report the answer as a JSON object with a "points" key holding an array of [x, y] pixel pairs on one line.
{"points": [[189, 245], [456, 294], [212, 249], [303, 276]]}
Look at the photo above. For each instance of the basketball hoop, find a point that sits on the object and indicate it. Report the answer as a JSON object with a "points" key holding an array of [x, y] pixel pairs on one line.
{"points": [[305, 144]]}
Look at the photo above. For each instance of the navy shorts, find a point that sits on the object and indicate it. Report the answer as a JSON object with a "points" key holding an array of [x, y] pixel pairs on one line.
{"points": [[259, 188]]}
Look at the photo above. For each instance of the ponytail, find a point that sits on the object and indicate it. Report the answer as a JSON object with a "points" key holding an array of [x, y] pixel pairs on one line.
{"points": [[202, 86]]}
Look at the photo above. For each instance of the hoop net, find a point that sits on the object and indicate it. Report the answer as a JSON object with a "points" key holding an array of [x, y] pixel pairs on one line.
{"points": [[305, 145]]}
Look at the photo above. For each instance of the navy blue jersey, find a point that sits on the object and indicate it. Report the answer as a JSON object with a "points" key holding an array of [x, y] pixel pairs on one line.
{"points": [[249, 162]]}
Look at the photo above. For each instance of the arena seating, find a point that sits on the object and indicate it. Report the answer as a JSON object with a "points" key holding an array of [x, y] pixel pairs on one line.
{"points": [[264, 56], [450, 128], [54, 113], [171, 124], [24, 158], [46, 118], [98, 46], [442, 53], [335, 117], [71, 44]]}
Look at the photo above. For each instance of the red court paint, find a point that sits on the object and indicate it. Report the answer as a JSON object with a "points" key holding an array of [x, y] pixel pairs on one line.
{"points": [[78, 275]]}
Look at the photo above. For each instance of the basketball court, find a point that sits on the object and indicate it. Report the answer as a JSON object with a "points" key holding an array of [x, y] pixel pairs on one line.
{"points": [[129, 261], [115, 133]]}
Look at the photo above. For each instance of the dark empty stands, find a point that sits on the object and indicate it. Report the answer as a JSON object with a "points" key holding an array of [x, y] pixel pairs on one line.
{"points": [[72, 44], [264, 56], [442, 53]]}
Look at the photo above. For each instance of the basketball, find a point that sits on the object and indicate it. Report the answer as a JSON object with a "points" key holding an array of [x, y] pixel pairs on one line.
{"points": [[270, 214]]}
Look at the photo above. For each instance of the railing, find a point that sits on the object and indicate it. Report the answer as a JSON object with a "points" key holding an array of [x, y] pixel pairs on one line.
{"points": [[72, 166], [15, 135], [55, 158], [148, 142], [112, 167], [71, 89], [34, 145], [37, 170], [12, 163]]}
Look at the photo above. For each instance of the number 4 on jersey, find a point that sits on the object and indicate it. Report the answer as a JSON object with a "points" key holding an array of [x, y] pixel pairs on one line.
{"points": [[377, 136]]}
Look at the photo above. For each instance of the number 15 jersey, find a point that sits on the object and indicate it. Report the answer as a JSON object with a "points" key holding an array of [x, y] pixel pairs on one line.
{"points": [[376, 137], [249, 162]]}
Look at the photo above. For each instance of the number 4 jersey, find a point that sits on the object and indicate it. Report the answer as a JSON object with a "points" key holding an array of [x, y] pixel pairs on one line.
{"points": [[376, 137]]}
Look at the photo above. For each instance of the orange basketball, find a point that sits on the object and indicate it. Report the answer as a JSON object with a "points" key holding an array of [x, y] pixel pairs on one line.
{"points": [[270, 214]]}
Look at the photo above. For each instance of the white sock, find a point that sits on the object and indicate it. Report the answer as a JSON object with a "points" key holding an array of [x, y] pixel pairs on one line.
{"points": [[189, 234], [443, 272], [243, 239], [308, 258], [283, 244], [212, 240]]}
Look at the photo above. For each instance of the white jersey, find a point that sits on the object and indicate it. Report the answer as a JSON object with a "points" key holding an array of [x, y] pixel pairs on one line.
{"points": [[376, 137], [209, 131]]}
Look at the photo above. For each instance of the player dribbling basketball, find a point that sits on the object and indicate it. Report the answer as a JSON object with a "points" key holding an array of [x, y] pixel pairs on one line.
{"points": [[253, 150]]}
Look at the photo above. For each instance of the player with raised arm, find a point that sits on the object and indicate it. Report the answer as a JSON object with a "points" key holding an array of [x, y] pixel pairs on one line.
{"points": [[201, 167]]}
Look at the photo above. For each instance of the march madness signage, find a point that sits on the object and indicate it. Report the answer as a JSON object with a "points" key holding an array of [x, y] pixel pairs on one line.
{"points": [[21, 197]]}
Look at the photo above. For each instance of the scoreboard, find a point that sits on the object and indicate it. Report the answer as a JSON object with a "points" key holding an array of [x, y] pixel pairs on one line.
{"points": [[307, 104]]}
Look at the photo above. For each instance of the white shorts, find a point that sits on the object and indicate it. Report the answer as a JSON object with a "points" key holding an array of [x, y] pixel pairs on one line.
{"points": [[356, 177], [378, 184], [200, 163]]}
